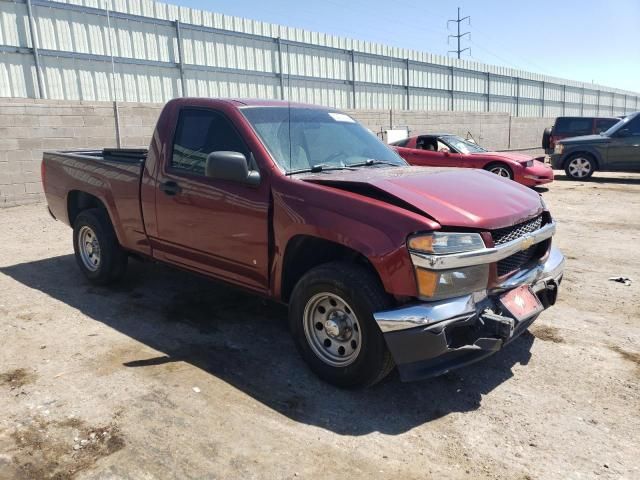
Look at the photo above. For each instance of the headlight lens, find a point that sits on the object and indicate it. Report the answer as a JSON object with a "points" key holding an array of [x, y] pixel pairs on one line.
{"points": [[440, 284], [558, 148], [442, 243], [528, 163]]}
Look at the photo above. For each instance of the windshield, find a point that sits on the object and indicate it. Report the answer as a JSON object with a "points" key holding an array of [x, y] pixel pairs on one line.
{"points": [[461, 145], [317, 138]]}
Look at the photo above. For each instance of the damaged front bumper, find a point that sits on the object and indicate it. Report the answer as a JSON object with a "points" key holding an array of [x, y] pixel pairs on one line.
{"points": [[431, 338]]}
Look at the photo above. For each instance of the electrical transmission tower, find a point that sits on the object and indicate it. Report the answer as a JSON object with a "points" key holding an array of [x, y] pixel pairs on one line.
{"points": [[459, 35]]}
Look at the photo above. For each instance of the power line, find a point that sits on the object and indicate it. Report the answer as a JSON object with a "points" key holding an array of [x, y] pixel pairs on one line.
{"points": [[526, 62], [459, 36], [503, 60]]}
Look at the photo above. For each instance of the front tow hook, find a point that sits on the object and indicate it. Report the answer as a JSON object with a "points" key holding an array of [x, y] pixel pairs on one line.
{"points": [[497, 324]]}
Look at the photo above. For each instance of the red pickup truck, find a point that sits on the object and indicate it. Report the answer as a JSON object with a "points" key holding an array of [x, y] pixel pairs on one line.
{"points": [[381, 263]]}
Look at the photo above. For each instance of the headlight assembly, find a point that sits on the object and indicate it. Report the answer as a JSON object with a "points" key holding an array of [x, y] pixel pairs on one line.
{"points": [[440, 284], [442, 243]]}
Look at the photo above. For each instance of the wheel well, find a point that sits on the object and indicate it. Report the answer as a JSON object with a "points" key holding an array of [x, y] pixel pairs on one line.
{"points": [[584, 154], [78, 201], [304, 252]]}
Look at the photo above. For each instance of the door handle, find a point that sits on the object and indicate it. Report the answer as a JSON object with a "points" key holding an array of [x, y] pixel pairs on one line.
{"points": [[170, 188]]}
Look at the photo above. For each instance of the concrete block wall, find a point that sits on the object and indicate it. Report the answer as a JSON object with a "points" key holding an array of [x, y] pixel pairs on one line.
{"points": [[528, 131], [30, 126]]}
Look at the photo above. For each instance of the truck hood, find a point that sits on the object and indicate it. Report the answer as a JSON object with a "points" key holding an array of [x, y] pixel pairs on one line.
{"points": [[584, 139], [452, 197]]}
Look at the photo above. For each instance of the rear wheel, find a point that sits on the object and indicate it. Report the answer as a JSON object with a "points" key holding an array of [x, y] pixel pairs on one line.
{"points": [[331, 320], [96, 247], [500, 169], [580, 166]]}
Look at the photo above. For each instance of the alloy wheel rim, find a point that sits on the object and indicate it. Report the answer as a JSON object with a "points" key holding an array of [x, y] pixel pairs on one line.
{"points": [[501, 172], [332, 329], [579, 167], [89, 247]]}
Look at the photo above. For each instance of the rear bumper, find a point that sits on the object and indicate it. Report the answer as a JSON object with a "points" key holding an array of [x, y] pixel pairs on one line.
{"points": [[429, 339], [556, 161]]}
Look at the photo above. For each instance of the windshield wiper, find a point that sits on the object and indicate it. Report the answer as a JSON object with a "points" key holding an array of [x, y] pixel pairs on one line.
{"points": [[321, 167], [372, 161]]}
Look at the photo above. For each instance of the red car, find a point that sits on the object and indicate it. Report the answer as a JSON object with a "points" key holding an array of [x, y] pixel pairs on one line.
{"points": [[446, 150]]}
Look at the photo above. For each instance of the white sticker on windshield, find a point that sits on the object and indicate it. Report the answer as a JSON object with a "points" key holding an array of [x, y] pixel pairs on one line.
{"points": [[341, 117]]}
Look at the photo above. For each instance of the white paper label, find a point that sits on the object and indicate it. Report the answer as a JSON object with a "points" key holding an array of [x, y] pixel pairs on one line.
{"points": [[341, 117]]}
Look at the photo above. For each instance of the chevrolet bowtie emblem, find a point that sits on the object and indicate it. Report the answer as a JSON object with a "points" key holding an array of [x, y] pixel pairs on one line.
{"points": [[526, 243]]}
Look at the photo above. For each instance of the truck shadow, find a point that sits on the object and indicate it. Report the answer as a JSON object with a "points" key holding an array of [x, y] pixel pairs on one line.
{"points": [[245, 341]]}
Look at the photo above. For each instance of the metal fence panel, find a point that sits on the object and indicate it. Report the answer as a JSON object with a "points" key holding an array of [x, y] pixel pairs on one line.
{"points": [[161, 51], [17, 75], [430, 100], [503, 104]]}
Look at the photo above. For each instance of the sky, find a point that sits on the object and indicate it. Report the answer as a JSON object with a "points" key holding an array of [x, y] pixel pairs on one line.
{"points": [[586, 40]]}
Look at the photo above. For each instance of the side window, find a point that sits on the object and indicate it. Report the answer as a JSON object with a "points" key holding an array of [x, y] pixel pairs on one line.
{"points": [[573, 126], [427, 143], [603, 124], [200, 132]]}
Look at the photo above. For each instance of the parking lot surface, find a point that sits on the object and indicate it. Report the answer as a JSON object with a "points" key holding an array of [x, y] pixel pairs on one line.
{"points": [[168, 375]]}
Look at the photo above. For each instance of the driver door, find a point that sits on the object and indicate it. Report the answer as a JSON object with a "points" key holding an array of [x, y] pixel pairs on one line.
{"points": [[217, 227], [623, 152]]}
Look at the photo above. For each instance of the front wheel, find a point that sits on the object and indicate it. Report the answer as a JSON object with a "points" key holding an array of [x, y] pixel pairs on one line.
{"points": [[580, 166], [331, 320], [500, 169]]}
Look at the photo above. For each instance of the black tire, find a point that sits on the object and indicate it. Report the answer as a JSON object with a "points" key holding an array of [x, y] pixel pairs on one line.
{"points": [[364, 294], [492, 167], [112, 263], [546, 139], [575, 165]]}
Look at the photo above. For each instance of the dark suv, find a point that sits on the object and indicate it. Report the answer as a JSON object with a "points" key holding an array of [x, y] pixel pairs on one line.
{"points": [[617, 149], [565, 127]]}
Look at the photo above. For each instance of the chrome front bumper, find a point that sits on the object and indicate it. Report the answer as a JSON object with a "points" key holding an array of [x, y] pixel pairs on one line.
{"points": [[431, 338], [429, 313]]}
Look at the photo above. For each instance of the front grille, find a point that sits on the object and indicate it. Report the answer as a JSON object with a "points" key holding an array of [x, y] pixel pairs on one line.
{"points": [[504, 235], [517, 260]]}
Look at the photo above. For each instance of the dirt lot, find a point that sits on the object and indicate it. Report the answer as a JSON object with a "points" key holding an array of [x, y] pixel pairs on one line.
{"points": [[170, 376]]}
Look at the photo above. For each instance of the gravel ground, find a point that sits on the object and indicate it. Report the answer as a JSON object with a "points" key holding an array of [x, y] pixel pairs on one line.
{"points": [[168, 375]]}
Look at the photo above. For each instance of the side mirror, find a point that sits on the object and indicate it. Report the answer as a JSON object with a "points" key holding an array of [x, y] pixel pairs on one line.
{"points": [[232, 166], [446, 152]]}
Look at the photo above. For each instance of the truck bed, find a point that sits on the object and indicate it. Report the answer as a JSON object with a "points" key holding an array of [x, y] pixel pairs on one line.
{"points": [[111, 175]]}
